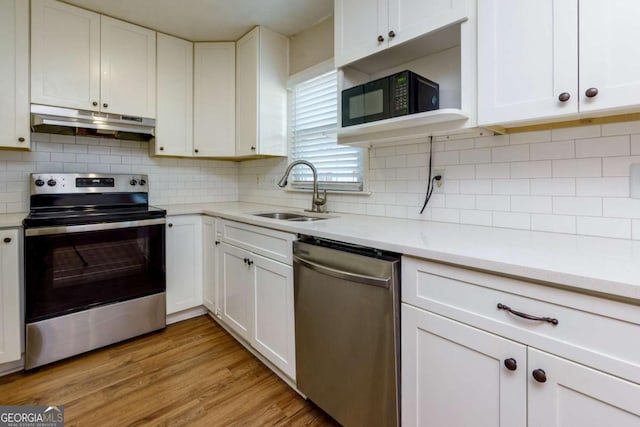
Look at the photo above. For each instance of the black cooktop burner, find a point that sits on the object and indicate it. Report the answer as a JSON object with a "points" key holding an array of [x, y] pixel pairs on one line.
{"points": [[90, 216]]}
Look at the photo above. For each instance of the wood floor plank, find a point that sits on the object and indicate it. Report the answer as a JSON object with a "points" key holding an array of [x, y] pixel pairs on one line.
{"points": [[193, 373]]}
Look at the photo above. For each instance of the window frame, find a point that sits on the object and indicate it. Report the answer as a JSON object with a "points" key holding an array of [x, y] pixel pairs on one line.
{"points": [[330, 187]]}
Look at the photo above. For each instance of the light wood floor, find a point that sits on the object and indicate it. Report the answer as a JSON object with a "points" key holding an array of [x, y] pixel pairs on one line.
{"points": [[191, 374]]}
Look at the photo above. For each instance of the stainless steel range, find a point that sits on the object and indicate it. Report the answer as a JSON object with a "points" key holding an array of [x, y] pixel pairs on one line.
{"points": [[94, 258]]}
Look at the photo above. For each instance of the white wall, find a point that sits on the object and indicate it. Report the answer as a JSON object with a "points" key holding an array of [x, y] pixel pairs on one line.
{"points": [[171, 180], [573, 180], [312, 46]]}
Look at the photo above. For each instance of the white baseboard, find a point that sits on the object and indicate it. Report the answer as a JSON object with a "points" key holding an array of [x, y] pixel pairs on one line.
{"points": [[186, 314]]}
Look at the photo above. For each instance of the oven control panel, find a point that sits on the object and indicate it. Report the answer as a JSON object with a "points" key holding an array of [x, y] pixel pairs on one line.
{"points": [[64, 183]]}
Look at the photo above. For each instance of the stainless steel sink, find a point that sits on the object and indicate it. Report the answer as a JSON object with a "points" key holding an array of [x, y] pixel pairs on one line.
{"points": [[290, 216]]}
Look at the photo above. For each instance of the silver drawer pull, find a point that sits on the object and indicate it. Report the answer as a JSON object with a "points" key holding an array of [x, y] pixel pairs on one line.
{"points": [[527, 316]]}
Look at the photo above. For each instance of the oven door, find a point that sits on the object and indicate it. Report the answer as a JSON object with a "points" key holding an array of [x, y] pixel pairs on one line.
{"points": [[74, 268]]}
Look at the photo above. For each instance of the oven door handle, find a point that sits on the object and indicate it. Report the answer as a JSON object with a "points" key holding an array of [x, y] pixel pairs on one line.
{"points": [[44, 231]]}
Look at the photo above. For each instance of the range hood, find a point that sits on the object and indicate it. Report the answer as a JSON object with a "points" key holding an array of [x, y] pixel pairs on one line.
{"points": [[90, 123]]}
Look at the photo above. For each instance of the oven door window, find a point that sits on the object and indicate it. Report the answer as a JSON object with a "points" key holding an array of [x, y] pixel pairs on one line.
{"points": [[72, 272]]}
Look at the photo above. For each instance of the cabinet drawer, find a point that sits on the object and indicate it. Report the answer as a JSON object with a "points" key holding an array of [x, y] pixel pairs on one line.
{"points": [[273, 244], [596, 331]]}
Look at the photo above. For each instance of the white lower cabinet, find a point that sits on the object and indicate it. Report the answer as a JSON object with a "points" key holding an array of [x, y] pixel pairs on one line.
{"points": [[256, 291], [210, 244], [184, 262], [469, 361], [454, 375], [10, 318]]}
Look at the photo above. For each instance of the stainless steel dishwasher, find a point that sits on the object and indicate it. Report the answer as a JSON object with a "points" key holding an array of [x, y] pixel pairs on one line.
{"points": [[347, 322]]}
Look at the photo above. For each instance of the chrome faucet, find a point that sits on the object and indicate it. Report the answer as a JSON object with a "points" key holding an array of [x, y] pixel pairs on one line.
{"points": [[317, 202]]}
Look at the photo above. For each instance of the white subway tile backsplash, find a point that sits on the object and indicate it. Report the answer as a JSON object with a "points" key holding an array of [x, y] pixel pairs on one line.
{"points": [[493, 203], [493, 170], [553, 187], [460, 144], [539, 169], [553, 150], [475, 186], [460, 201], [618, 166], [554, 223], [446, 158], [511, 186], [475, 217], [512, 220], [395, 162], [635, 145], [576, 168], [604, 227], [531, 204], [575, 132], [480, 155], [445, 215], [492, 141], [513, 153], [530, 137], [623, 128], [602, 187], [635, 229], [589, 206], [460, 172], [608, 146], [621, 208]]}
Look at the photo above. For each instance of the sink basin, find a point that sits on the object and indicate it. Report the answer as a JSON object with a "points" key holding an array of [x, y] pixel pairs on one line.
{"points": [[290, 216]]}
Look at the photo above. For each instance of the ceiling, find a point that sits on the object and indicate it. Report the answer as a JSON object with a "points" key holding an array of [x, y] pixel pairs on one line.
{"points": [[214, 20]]}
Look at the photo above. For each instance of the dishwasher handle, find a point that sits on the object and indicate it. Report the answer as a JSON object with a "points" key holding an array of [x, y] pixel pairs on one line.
{"points": [[341, 274]]}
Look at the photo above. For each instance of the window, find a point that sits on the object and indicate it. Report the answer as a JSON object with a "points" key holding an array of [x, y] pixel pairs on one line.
{"points": [[313, 124]]}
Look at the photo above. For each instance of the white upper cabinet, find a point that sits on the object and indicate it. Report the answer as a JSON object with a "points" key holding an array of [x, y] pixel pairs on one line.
{"points": [[65, 55], [127, 69], [364, 27], [527, 58], [14, 72], [553, 60], [262, 69], [82, 60], [609, 52], [174, 128], [214, 122]]}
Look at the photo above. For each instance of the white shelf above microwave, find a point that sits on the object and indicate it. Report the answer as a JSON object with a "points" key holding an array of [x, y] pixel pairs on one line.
{"points": [[412, 126]]}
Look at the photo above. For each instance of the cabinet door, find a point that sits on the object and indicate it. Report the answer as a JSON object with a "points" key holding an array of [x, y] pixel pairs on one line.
{"points": [[575, 395], [214, 121], [65, 55], [454, 375], [409, 19], [210, 264], [358, 25], [10, 317], [609, 49], [14, 72], [184, 263], [246, 93], [174, 128], [128, 69], [236, 281], [527, 57], [273, 323]]}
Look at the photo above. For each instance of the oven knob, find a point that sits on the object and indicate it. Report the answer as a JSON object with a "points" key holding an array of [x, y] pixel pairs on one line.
{"points": [[51, 182], [133, 182], [142, 182], [39, 182]]}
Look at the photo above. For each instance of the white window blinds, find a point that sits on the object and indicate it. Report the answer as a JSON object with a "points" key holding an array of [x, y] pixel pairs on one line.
{"points": [[313, 128]]}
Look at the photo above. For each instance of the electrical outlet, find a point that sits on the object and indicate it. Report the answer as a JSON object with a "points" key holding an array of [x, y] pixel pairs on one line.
{"points": [[438, 186]]}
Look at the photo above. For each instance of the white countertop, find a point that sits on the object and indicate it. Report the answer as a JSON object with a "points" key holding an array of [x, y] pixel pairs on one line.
{"points": [[603, 265]]}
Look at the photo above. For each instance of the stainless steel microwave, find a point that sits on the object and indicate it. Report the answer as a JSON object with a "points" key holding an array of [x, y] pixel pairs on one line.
{"points": [[396, 95]]}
